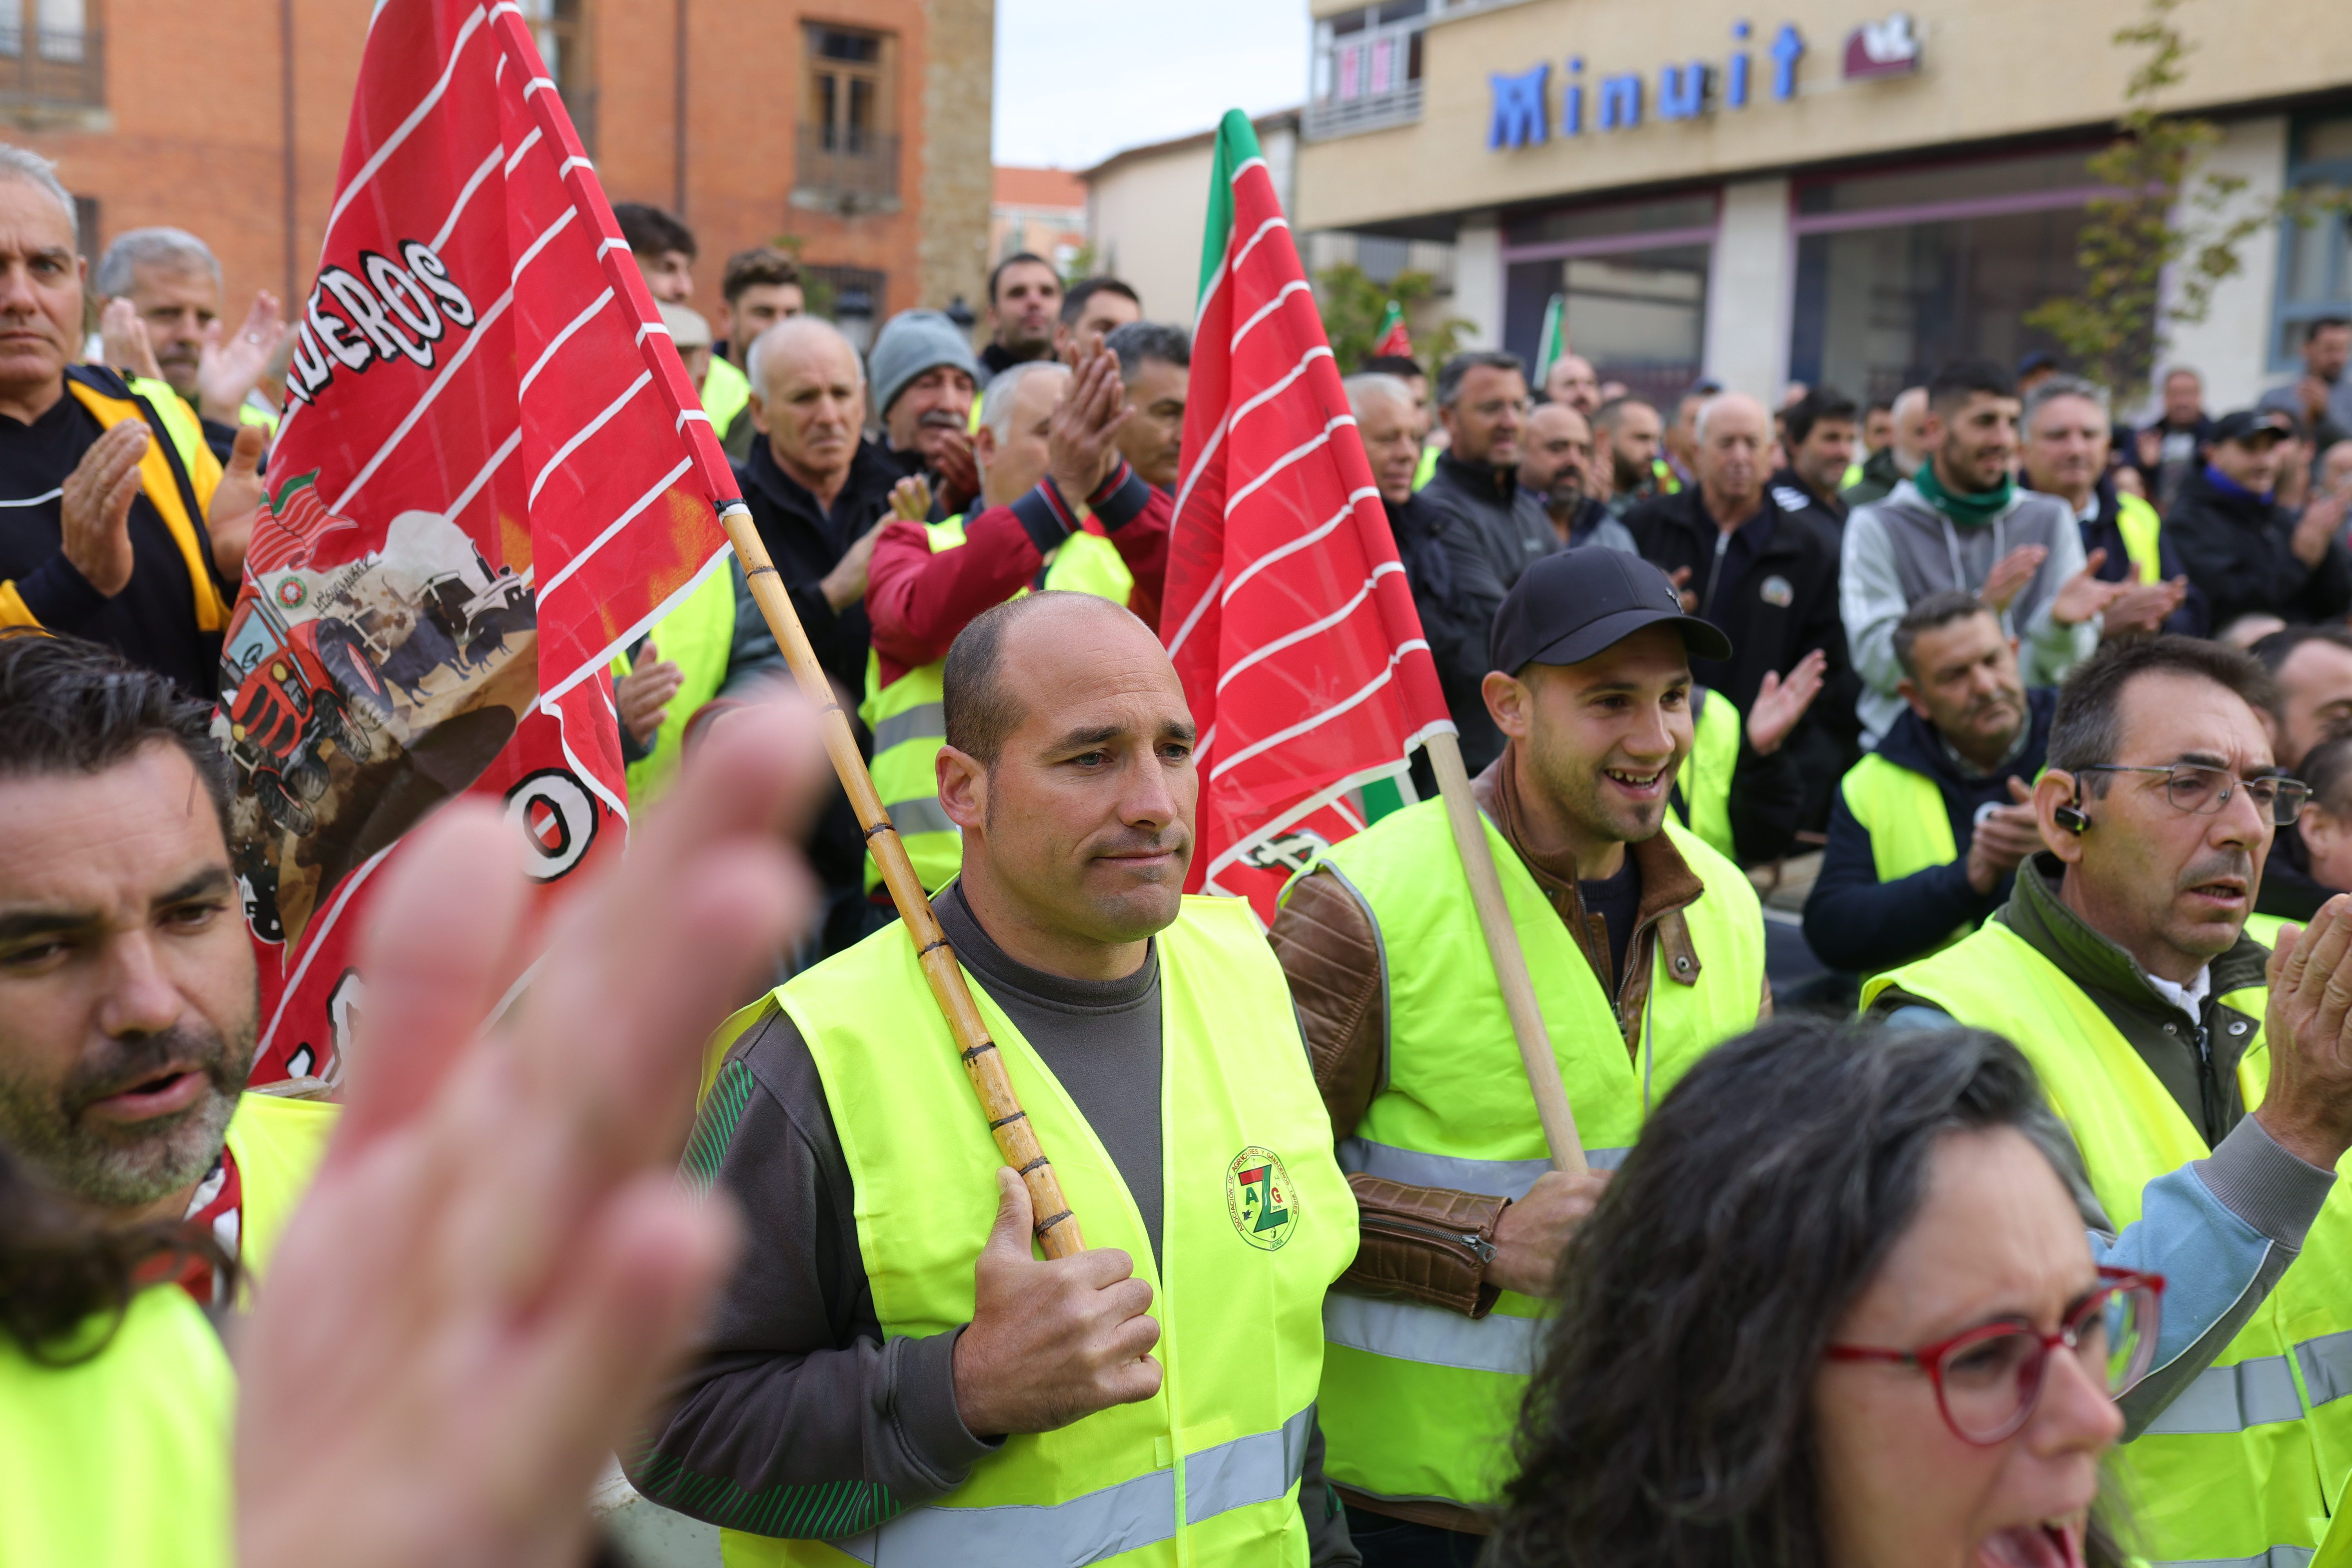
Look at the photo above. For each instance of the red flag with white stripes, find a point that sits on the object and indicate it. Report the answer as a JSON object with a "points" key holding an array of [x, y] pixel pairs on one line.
{"points": [[1288, 614], [493, 474]]}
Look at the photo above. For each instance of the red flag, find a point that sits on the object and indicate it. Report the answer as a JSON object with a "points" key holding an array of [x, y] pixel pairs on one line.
{"points": [[1288, 614], [1389, 337], [493, 474]]}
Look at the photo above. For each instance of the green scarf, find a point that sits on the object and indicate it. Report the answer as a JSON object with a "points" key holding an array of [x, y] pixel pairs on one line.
{"points": [[1968, 511]]}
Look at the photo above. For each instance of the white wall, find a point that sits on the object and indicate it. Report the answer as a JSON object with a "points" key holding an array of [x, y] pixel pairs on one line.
{"points": [[1478, 279], [2230, 346], [1145, 218], [1748, 288]]}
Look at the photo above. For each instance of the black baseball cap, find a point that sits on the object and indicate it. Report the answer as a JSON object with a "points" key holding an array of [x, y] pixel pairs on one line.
{"points": [[1568, 606], [2248, 425]]}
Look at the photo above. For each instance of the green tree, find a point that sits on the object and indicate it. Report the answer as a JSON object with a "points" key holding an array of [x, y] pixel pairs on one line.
{"points": [[1352, 306], [2160, 219]]}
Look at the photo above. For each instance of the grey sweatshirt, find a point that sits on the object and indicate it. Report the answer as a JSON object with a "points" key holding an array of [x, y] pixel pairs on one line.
{"points": [[1900, 549], [797, 1419]]}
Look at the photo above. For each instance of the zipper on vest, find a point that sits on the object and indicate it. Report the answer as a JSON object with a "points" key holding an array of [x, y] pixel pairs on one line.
{"points": [[1482, 1249]]}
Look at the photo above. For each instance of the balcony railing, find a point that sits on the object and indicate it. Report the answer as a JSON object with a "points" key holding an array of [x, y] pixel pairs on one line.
{"points": [[46, 66], [1329, 117], [850, 171]]}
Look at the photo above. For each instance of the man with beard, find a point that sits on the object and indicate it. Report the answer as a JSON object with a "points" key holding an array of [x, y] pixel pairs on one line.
{"points": [[1024, 308], [1962, 521], [127, 980], [924, 379], [1625, 434], [1646, 949], [1555, 467], [1821, 435], [890, 1356], [2163, 1035], [170, 281], [1927, 831]]}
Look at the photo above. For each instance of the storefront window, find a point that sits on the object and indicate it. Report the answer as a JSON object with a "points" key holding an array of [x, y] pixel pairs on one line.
{"points": [[1902, 270], [1633, 281], [2315, 259]]}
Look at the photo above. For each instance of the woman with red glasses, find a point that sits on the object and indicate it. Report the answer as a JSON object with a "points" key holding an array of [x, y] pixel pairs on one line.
{"points": [[1838, 1310]]}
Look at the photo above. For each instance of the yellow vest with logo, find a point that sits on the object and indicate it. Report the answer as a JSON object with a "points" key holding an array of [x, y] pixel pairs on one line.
{"points": [[726, 392], [2250, 1459], [123, 1458], [1256, 1222], [277, 1144], [698, 637], [909, 723], [2143, 531], [1418, 1401], [1703, 784]]}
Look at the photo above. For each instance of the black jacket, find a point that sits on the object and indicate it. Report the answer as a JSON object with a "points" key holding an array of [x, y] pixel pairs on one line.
{"points": [[1456, 593], [1783, 605], [1788, 490], [1878, 482], [2233, 545], [2195, 616], [1855, 923], [1509, 523]]}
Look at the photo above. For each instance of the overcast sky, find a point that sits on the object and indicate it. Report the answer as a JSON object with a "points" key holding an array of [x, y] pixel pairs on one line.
{"points": [[1078, 80]]}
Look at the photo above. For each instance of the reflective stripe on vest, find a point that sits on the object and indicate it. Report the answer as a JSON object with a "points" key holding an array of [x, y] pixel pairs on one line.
{"points": [[277, 1144], [1703, 784], [2243, 1465], [1259, 1469], [909, 724], [1257, 1223], [698, 637], [1418, 1401], [2142, 531]]}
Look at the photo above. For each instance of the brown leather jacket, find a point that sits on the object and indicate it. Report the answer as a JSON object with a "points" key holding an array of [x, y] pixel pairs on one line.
{"points": [[1431, 1245]]}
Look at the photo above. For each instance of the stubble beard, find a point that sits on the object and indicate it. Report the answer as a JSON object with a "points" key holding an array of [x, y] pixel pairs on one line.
{"points": [[121, 1167]]}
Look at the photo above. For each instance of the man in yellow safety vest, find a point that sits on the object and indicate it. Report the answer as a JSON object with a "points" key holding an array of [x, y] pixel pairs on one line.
{"points": [[1061, 510], [2120, 967], [127, 1008], [2063, 437], [892, 1376]]}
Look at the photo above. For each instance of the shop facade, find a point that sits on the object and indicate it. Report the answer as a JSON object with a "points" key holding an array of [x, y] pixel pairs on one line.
{"points": [[1816, 193]]}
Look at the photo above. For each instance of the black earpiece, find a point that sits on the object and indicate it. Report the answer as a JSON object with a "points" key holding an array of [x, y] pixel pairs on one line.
{"points": [[2071, 818]]}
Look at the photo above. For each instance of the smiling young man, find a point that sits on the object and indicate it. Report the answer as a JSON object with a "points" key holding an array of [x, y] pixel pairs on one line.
{"points": [[1646, 948], [126, 983], [891, 1370], [2119, 966]]}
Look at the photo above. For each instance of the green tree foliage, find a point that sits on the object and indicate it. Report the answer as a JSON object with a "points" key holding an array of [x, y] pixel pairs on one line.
{"points": [[2160, 219], [1352, 306]]}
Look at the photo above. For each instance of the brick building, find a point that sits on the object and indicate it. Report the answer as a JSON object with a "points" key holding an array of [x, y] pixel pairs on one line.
{"points": [[1041, 211], [755, 120]]}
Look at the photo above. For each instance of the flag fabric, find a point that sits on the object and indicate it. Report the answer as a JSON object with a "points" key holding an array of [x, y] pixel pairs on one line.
{"points": [[492, 475], [1287, 615], [1550, 342], [1389, 337]]}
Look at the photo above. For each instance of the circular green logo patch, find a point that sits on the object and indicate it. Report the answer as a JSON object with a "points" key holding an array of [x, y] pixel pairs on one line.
{"points": [[291, 591], [1258, 1196]]}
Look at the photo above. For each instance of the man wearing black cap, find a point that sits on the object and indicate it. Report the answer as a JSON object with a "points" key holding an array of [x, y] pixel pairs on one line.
{"points": [[1646, 949], [2249, 555]]}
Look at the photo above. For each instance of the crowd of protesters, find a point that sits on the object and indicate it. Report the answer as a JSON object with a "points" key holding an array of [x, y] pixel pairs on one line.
{"points": [[2065, 707]]}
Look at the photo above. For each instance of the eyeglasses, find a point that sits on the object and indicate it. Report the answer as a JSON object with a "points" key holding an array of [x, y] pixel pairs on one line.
{"points": [[1988, 1379], [2201, 790]]}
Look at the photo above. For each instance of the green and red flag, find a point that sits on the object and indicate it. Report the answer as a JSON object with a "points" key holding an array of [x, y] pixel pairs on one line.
{"points": [[1287, 613], [1552, 342], [493, 474], [1389, 337]]}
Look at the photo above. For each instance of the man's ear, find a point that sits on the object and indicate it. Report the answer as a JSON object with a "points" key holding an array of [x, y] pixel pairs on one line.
{"points": [[1510, 702], [1445, 419], [2054, 789], [983, 447], [1909, 691], [963, 788], [758, 407]]}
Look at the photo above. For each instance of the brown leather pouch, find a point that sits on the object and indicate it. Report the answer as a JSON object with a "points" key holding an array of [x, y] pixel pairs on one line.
{"points": [[1424, 1244]]}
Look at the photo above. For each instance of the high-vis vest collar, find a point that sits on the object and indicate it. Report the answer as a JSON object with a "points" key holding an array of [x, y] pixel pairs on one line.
{"points": [[1702, 798], [1418, 1401], [277, 1143], [909, 724], [2143, 532], [1257, 1222], [698, 637], [2248, 1463], [122, 1457]]}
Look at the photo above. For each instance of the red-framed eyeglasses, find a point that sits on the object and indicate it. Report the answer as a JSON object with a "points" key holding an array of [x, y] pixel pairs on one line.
{"points": [[1988, 1379]]}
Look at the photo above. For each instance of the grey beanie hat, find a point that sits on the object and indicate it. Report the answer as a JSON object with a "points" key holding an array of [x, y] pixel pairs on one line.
{"points": [[910, 343]]}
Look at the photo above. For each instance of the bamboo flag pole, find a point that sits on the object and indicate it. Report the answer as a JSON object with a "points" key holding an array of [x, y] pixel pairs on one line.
{"points": [[1056, 1228], [1503, 950]]}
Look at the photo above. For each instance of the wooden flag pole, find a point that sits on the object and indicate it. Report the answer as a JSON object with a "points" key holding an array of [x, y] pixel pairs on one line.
{"points": [[1503, 950], [1016, 1142]]}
